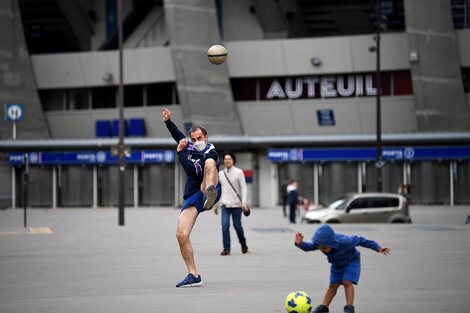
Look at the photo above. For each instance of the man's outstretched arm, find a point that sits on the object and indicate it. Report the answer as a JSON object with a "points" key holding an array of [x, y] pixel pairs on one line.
{"points": [[174, 131]]}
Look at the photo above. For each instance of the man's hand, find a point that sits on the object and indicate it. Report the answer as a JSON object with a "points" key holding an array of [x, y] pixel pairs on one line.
{"points": [[299, 238], [216, 210], [244, 207], [166, 114], [182, 144], [384, 250]]}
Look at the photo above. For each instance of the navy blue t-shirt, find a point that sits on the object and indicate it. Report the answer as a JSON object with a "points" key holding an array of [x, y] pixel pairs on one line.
{"points": [[192, 161]]}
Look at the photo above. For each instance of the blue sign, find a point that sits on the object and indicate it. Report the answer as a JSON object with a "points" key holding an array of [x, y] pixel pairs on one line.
{"points": [[370, 154], [325, 117], [387, 7], [93, 158], [13, 112], [280, 155]]}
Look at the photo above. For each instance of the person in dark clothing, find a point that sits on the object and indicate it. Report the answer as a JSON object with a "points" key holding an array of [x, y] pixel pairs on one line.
{"points": [[345, 261], [292, 199], [283, 193], [200, 161]]}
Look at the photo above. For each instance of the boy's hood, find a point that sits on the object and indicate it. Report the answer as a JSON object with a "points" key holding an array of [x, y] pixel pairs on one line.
{"points": [[325, 236]]}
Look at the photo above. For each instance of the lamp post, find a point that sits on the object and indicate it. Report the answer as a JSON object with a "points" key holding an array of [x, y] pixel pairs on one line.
{"points": [[122, 165]]}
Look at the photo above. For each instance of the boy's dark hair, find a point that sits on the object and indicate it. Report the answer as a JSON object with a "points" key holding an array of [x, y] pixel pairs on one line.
{"points": [[196, 127], [231, 155]]}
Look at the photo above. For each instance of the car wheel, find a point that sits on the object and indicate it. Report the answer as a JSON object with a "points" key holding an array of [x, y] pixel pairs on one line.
{"points": [[312, 222], [332, 222], [398, 221]]}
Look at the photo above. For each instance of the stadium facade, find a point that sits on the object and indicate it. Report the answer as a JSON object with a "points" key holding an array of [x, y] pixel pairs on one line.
{"points": [[296, 97]]}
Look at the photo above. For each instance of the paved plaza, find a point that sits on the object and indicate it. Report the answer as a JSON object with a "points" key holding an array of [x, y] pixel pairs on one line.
{"points": [[80, 260]]}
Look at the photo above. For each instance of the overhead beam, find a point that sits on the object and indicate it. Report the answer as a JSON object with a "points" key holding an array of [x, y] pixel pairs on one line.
{"points": [[78, 21], [252, 142]]}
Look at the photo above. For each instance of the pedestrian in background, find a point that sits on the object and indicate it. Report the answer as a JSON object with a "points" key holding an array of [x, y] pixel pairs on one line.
{"points": [[292, 199], [403, 190], [232, 202], [283, 193]]}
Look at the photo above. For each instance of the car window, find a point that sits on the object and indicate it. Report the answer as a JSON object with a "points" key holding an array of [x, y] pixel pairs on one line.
{"points": [[384, 202], [379, 202], [339, 204], [361, 203]]}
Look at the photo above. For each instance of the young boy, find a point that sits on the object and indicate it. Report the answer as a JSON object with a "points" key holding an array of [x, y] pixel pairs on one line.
{"points": [[345, 261]]}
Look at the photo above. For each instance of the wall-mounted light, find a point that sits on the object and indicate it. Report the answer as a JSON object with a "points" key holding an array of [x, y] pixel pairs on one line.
{"points": [[414, 56], [108, 77], [316, 61]]}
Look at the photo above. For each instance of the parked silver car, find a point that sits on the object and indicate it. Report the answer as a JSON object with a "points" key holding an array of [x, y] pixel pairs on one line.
{"points": [[363, 208]]}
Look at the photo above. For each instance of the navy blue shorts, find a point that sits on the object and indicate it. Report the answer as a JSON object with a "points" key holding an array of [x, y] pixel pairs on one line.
{"points": [[350, 272], [196, 199]]}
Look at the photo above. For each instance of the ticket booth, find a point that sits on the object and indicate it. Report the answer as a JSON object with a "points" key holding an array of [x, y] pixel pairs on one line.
{"points": [[39, 186], [434, 175], [430, 182], [108, 187], [302, 173], [336, 179], [90, 178], [392, 176], [461, 170], [74, 186], [156, 185]]}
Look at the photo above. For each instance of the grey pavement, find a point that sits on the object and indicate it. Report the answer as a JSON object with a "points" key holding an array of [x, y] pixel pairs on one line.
{"points": [[87, 263]]}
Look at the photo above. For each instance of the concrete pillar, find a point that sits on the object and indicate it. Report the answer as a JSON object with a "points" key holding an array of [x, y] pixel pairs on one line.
{"points": [[269, 181], [17, 83], [54, 187], [95, 187], [136, 186], [359, 177], [435, 67], [13, 187], [316, 199], [204, 88], [270, 18], [405, 173], [452, 165]]}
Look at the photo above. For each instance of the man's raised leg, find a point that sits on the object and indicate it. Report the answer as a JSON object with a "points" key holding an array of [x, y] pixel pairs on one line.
{"points": [[186, 222], [209, 183]]}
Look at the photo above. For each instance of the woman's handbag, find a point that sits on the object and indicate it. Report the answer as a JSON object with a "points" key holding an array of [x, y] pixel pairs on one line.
{"points": [[247, 213]]}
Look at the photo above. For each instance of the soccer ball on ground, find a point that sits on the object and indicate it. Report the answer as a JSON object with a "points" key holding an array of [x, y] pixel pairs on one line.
{"points": [[298, 302]]}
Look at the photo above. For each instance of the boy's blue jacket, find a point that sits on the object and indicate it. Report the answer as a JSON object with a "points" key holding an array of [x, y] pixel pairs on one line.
{"points": [[343, 247], [192, 161]]}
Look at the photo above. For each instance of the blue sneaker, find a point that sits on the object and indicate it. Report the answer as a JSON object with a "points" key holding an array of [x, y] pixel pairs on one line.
{"points": [[321, 309], [348, 309], [190, 281], [209, 197]]}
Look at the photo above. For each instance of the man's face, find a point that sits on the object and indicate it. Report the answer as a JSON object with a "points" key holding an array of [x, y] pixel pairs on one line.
{"points": [[228, 161], [324, 249], [197, 135]]}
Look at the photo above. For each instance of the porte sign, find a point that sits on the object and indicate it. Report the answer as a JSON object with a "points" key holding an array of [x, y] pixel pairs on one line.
{"points": [[13, 112]]}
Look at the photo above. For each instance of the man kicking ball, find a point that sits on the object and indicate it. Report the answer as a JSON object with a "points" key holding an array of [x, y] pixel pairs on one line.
{"points": [[200, 161]]}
